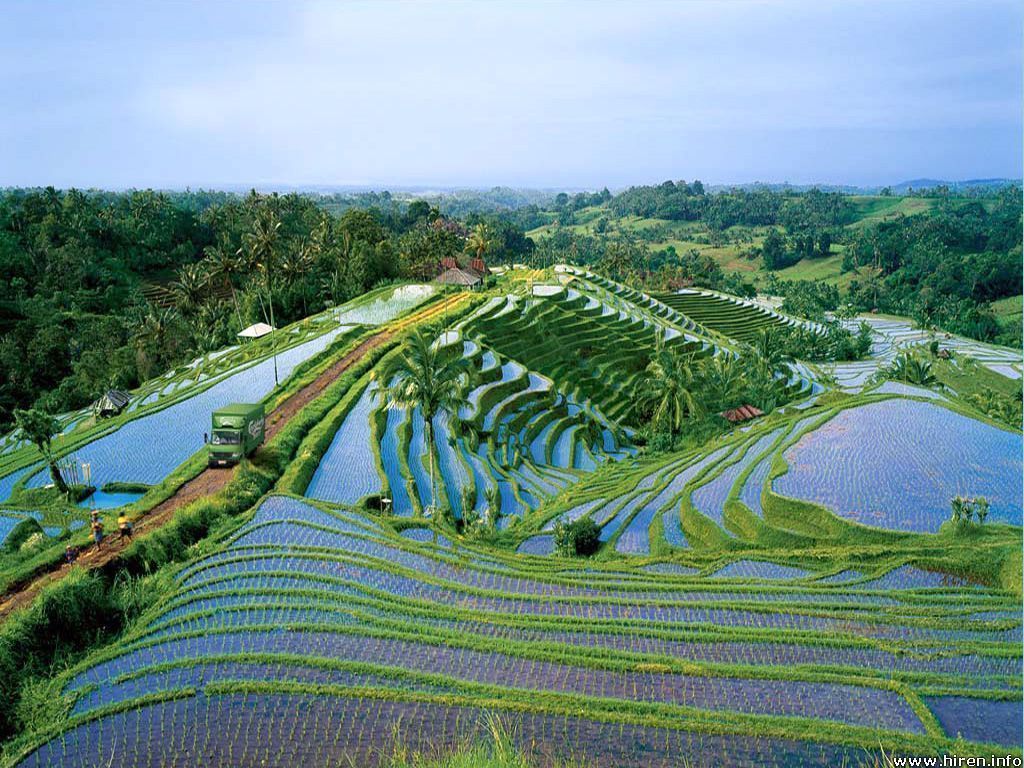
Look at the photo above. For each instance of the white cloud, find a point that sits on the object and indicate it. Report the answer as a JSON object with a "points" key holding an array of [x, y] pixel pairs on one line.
{"points": [[549, 92]]}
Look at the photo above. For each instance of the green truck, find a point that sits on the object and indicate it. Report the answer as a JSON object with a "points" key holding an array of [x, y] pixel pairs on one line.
{"points": [[237, 430]]}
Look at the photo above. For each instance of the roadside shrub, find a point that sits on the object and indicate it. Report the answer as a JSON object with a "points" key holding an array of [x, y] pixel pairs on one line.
{"points": [[117, 486], [580, 538], [448, 518], [35, 542], [21, 533], [660, 442], [79, 493]]}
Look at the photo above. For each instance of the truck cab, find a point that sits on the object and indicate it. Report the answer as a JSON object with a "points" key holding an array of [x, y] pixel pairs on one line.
{"points": [[236, 431]]}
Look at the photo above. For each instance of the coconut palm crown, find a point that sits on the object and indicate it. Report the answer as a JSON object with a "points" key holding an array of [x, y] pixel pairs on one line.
{"points": [[668, 389]]}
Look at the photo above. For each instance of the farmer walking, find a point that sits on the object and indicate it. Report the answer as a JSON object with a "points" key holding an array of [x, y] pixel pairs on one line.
{"points": [[97, 532]]}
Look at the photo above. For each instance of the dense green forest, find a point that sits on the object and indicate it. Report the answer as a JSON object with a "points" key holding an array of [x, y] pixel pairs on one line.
{"points": [[102, 289]]}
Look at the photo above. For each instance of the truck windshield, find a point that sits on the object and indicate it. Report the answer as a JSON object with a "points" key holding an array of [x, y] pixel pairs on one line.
{"points": [[226, 438]]}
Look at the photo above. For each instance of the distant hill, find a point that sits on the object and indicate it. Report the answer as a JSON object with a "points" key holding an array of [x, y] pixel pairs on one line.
{"points": [[904, 186], [848, 189]]}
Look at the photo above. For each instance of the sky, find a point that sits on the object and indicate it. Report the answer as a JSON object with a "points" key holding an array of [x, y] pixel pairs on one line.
{"points": [[206, 93]]}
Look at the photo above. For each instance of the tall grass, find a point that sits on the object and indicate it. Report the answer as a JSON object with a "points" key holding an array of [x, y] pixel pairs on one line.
{"points": [[497, 747]]}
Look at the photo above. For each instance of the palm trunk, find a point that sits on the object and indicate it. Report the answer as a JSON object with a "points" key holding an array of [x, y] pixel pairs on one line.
{"points": [[263, 307], [238, 309], [429, 434], [270, 300], [58, 479]]}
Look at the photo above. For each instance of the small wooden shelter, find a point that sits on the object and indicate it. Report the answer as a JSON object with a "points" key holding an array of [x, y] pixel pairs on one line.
{"points": [[743, 413], [255, 331], [111, 403]]}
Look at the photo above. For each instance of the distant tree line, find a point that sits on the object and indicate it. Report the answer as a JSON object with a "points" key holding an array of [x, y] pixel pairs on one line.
{"points": [[679, 201], [942, 268]]}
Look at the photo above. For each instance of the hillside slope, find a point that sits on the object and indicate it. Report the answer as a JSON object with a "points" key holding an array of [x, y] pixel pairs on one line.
{"points": [[784, 591]]}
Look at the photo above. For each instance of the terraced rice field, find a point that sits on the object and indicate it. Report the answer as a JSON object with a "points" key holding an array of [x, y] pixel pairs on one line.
{"points": [[894, 336], [174, 433], [170, 413], [736, 318], [724, 620], [520, 433], [333, 615]]}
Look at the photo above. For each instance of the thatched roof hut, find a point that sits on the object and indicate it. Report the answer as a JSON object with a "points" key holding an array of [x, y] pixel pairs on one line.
{"points": [[459, 276], [743, 413]]}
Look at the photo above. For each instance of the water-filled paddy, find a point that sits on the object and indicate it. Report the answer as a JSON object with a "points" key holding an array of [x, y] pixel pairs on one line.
{"points": [[348, 471], [898, 463], [148, 448], [110, 500]]}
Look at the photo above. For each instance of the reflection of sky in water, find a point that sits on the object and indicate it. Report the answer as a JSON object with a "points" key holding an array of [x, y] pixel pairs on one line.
{"points": [[898, 463]]}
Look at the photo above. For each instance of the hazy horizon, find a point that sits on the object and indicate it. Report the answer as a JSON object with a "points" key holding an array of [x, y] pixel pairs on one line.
{"points": [[542, 96], [429, 189]]}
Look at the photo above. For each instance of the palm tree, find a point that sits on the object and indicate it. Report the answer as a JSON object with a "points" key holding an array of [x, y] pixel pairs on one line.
{"points": [[424, 377], [769, 347], [479, 241], [988, 401], [337, 253], [721, 379], [156, 332], [492, 496], [981, 507], [763, 386], [667, 390], [261, 246], [223, 263], [962, 510], [296, 265], [911, 369], [188, 288]]}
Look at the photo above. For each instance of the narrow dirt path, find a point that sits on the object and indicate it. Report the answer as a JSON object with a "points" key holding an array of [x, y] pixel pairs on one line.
{"points": [[206, 483], [211, 480]]}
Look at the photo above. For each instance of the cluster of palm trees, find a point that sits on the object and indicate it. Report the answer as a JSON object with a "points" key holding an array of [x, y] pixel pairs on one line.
{"points": [[999, 407], [260, 255], [965, 510], [831, 341], [196, 319], [682, 386]]}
